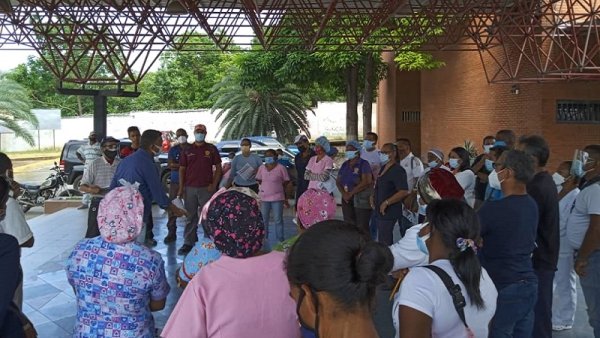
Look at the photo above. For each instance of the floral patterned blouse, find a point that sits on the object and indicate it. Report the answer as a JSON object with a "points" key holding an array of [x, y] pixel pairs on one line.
{"points": [[114, 284]]}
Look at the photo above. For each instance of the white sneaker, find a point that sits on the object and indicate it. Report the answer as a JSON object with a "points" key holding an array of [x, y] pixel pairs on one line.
{"points": [[561, 327]]}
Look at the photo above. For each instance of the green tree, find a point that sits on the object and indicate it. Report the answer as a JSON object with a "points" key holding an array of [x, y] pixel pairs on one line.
{"points": [[15, 107], [247, 111]]}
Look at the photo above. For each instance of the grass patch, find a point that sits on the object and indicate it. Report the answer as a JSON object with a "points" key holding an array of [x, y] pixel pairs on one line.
{"points": [[49, 152]]}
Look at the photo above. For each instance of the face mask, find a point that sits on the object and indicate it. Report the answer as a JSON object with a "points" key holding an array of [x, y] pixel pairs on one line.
{"points": [[453, 163], [423, 209], [367, 144], [384, 158], [489, 165], [487, 148], [421, 243], [182, 139], [269, 160], [432, 164], [199, 137], [350, 154], [494, 181], [558, 179], [155, 151], [302, 148], [110, 153]]}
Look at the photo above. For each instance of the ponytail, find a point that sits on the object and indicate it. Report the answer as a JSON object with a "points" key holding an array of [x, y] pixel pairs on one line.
{"points": [[459, 228]]}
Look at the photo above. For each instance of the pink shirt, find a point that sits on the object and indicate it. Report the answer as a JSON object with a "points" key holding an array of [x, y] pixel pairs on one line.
{"points": [[271, 186], [235, 297], [326, 163]]}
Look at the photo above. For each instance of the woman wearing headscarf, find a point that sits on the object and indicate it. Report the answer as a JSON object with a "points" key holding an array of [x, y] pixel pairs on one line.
{"points": [[313, 206], [334, 269], [319, 167], [117, 281], [242, 294], [355, 182]]}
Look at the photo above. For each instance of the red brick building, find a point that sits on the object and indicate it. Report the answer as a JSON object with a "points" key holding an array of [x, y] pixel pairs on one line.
{"points": [[442, 108]]}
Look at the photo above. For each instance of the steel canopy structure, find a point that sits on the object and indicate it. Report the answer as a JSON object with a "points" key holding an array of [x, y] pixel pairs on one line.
{"points": [[99, 44]]}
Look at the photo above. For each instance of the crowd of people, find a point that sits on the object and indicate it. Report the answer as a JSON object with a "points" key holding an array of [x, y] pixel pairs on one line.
{"points": [[488, 246]]}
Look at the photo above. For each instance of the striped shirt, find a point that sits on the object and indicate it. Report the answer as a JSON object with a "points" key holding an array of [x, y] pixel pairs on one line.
{"points": [[100, 172], [90, 152]]}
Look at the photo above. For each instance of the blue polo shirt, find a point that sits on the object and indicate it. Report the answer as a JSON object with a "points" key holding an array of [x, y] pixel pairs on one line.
{"points": [[140, 167], [174, 154]]}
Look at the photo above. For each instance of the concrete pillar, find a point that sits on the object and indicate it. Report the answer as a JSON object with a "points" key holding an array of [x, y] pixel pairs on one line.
{"points": [[100, 113], [386, 101]]}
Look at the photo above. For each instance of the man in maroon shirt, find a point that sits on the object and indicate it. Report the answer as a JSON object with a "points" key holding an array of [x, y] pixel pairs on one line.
{"points": [[197, 182]]}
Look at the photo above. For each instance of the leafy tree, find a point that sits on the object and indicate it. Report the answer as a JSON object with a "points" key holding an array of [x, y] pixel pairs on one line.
{"points": [[248, 111], [15, 106]]}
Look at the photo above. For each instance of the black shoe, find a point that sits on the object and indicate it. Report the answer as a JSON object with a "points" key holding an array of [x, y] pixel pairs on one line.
{"points": [[151, 242], [184, 250], [170, 238]]}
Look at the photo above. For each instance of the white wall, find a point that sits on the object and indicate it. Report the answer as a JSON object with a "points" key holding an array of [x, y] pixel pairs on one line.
{"points": [[329, 120]]}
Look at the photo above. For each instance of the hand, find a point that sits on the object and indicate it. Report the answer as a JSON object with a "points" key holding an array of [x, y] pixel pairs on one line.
{"points": [[581, 267], [371, 202], [286, 203], [94, 189], [30, 331], [383, 206], [175, 211], [211, 188], [346, 196], [16, 188]]}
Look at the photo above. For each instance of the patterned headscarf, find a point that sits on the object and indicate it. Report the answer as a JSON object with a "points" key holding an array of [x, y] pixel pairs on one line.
{"points": [[121, 214], [235, 224], [314, 206]]}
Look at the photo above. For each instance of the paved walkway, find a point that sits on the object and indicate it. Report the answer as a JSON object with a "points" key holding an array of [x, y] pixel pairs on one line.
{"points": [[50, 304]]}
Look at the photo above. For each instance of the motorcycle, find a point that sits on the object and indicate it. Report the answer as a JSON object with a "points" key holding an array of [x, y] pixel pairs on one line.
{"points": [[54, 186]]}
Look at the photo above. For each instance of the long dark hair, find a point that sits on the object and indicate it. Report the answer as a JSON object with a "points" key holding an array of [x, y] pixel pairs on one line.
{"points": [[338, 258], [454, 219], [465, 158]]}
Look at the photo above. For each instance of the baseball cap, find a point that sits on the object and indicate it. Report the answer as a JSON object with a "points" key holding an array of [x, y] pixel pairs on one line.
{"points": [[200, 128], [108, 139], [300, 138]]}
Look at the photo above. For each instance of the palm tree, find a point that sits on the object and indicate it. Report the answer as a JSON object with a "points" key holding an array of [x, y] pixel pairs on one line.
{"points": [[261, 112], [15, 106]]}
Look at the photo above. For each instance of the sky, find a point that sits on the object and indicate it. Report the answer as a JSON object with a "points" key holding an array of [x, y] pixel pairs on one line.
{"points": [[12, 58]]}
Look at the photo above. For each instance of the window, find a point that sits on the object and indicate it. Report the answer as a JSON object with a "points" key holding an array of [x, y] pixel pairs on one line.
{"points": [[411, 116], [575, 111]]}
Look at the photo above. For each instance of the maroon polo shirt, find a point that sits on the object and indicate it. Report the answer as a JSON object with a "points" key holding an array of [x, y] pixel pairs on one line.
{"points": [[198, 162]]}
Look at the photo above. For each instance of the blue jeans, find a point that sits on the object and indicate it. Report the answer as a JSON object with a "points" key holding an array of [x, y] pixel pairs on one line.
{"points": [[514, 310], [590, 284], [277, 208], [373, 225]]}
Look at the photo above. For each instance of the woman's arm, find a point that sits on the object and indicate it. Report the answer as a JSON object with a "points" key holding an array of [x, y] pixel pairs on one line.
{"points": [[413, 323]]}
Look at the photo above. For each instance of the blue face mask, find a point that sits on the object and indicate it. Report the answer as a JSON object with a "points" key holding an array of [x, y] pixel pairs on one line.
{"points": [[489, 165], [453, 163], [350, 154], [421, 244], [269, 160], [367, 144], [384, 158], [577, 168], [199, 137], [307, 333], [432, 164]]}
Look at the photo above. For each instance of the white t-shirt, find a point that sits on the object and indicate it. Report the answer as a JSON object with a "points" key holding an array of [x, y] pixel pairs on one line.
{"points": [[425, 292], [414, 169], [564, 207], [466, 179], [14, 223], [406, 252], [586, 203], [373, 158]]}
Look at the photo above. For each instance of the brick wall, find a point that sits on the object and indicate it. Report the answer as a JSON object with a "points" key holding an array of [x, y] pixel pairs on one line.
{"points": [[408, 100], [458, 104]]}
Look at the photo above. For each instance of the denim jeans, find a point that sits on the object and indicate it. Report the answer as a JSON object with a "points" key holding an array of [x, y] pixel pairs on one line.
{"points": [[373, 225], [590, 283], [277, 208], [514, 310], [542, 325]]}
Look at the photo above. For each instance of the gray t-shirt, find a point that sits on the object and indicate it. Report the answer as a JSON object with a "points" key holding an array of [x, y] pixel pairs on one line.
{"points": [[243, 169], [587, 203]]}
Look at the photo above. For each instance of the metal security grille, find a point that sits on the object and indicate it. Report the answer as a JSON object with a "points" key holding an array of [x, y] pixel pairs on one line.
{"points": [[577, 111], [411, 116]]}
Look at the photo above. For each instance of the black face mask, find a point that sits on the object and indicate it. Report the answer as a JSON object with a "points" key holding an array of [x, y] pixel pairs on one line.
{"points": [[110, 153]]}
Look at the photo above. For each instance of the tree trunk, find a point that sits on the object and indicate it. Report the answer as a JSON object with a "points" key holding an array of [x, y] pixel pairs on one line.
{"points": [[352, 103], [367, 108], [79, 106]]}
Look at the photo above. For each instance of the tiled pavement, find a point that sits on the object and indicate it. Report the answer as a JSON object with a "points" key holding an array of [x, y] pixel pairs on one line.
{"points": [[50, 304]]}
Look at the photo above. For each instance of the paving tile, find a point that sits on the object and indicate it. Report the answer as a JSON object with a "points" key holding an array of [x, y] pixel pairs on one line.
{"points": [[67, 323], [59, 308], [37, 318], [51, 330]]}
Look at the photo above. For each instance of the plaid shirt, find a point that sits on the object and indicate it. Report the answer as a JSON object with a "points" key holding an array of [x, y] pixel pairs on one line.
{"points": [[100, 172]]}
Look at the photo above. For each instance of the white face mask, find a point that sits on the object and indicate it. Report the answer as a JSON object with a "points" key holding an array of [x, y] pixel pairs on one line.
{"points": [[182, 139], [487, 148], [494, 181], [558, 180]]}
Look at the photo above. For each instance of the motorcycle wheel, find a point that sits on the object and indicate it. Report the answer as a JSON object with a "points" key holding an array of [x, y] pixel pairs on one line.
{"points": [[70, 192]]}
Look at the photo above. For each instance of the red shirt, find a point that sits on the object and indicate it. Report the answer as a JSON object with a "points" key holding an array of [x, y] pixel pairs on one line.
{"points": [[126, 151], [198, 162]]}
